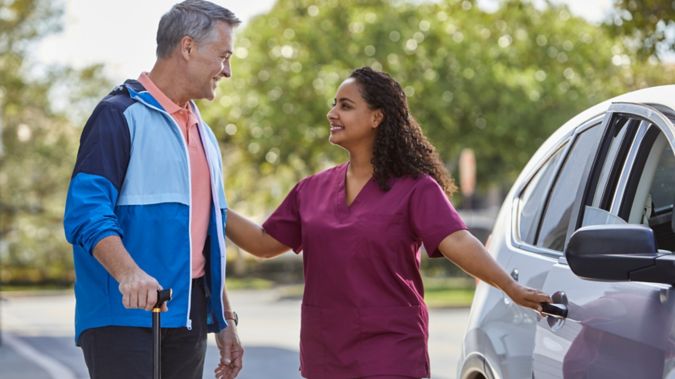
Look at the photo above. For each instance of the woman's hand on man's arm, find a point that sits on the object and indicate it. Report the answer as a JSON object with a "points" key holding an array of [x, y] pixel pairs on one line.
{"points": [[252, 237]]}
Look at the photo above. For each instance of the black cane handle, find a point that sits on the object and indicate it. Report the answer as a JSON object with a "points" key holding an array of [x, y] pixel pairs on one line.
{"points": [[162, 297]]}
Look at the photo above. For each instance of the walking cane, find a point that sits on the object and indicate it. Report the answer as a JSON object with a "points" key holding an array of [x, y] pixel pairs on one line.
{"points": [[162, 297]]}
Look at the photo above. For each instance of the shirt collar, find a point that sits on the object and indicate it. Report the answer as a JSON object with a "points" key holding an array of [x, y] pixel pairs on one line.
{"points": [[157, 93]]}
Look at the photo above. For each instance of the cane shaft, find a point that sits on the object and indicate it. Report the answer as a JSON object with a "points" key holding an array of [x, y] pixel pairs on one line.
{"points": [[162, 297], [157, 344]]}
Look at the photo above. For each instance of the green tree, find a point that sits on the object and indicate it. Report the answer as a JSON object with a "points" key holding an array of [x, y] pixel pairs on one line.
{"points": [[37, 146], [648, 25], [498, 82]]}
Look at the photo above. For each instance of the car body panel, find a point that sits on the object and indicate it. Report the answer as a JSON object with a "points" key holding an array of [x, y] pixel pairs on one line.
{"points": [[611, 321], [613, 330]]}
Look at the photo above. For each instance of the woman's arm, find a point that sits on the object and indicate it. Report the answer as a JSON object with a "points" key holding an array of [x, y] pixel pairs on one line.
{"points": [[467, 252], [251, 237]]}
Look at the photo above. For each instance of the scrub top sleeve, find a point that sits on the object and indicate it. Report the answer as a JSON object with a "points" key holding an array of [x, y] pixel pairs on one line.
{"points": [[432, 215], [284, 224]]}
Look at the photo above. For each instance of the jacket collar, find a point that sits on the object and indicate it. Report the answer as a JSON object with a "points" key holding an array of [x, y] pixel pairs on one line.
{"points": [[139, 93]]}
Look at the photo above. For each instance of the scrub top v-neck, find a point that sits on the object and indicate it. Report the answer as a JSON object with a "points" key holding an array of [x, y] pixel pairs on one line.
{"points": [[363, 312]]}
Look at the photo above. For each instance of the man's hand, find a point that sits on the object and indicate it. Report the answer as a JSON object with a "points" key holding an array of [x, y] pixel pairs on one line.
{"points": [[139, 290], [231, 353]]}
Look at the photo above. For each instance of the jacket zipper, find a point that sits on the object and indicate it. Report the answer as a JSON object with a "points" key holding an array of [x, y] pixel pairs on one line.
{"points": [[219, 221], [188, 321]]}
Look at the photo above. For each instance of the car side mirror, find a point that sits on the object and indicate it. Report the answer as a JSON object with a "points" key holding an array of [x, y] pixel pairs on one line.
{"points": [[619, 253]]}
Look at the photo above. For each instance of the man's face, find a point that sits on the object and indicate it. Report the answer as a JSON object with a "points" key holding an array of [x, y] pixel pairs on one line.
{"points": [[210, 61]]}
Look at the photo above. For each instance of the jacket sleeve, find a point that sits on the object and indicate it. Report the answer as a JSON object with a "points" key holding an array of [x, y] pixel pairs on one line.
{"points": [[99, 172]]}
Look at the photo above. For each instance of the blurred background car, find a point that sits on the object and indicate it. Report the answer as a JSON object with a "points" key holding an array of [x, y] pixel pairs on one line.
{"points": [[589, 221]]}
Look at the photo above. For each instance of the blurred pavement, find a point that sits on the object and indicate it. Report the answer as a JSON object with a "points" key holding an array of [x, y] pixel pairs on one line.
{"points": [[37, 337]]}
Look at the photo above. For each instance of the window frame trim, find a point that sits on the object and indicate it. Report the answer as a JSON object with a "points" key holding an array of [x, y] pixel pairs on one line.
{"points": [[569, 139], [650, 117], [612, 179], [635, 146]]}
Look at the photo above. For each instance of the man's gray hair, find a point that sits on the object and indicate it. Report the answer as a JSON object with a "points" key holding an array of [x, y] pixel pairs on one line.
{"points": [[194, 18]]}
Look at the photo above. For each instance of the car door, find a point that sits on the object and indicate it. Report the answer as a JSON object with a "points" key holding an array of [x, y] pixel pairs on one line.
{"points": [[531, 255], [615, 329]]}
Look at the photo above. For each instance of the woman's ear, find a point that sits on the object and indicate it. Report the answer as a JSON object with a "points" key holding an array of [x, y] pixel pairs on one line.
{"points": [[378, 116]]}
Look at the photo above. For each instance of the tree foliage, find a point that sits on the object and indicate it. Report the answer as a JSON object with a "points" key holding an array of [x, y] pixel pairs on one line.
{"points": [[648, 25], [497, 82], [37, 146]]}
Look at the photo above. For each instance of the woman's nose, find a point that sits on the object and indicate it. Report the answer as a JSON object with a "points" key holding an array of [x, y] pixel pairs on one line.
{"points": [[331, 115]]}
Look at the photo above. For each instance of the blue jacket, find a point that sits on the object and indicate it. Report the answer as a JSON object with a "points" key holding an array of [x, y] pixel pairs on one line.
{"points": [[132, 179]]}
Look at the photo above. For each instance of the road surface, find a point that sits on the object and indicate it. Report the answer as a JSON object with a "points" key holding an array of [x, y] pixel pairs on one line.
{"points": [[37, 337]]}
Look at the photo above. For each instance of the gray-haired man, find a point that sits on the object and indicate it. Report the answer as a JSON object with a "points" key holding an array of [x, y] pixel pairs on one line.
{"points": [[146, 210]]}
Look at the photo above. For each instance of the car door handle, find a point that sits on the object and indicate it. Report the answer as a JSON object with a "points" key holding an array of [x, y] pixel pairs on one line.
{"points": [[554, 310], [515, 274]]}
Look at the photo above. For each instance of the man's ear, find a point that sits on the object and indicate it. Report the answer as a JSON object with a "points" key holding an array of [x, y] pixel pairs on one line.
{"points": [[378, 116], [187, 46]]}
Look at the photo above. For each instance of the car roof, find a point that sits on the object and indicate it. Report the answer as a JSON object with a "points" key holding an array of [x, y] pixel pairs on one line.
{"points": [[663, 96]]}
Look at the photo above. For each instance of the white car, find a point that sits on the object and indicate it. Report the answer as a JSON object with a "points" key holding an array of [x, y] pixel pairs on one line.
{"points": [[589, 221]]}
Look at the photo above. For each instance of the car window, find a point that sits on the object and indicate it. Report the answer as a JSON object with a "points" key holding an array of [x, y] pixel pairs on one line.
{"points": [[599, 216], [533, 196], [636, 204], [650, 192], [557, 212], [610, 161], [662, 190]]}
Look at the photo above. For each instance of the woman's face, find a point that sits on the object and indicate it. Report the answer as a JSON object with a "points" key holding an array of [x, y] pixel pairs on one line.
{"points": [[352, 123]]}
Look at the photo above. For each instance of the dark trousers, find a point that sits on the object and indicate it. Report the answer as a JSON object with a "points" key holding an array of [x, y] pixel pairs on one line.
{"points": [[118, 352]]}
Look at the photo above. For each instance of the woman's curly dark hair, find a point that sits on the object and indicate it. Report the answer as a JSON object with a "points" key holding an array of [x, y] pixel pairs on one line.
{"points": [[400, 149]]}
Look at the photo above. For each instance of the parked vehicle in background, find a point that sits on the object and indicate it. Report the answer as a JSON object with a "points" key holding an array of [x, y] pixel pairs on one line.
{"points": [[589, 221]]}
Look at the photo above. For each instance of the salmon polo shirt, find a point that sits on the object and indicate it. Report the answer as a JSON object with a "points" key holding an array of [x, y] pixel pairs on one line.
{"points": [[199, 172]]}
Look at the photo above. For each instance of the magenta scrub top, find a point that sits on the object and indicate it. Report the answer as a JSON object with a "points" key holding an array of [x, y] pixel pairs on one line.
{"points": [[363, 311]]}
